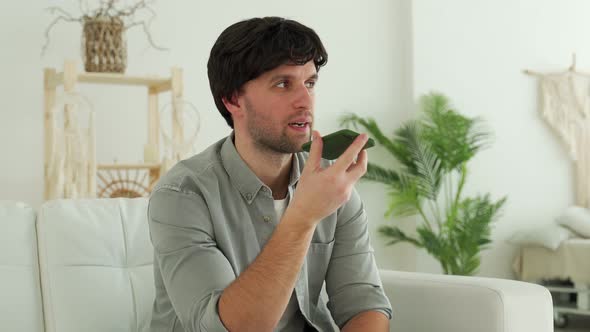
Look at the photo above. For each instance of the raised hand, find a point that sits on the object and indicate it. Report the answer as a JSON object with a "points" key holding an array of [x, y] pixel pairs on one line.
{"points": [[321, 191]]}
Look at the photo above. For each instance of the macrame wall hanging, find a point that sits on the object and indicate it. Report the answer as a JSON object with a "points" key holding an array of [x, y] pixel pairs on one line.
{"points": [[565, 106], [71, 142], [180, 124]]}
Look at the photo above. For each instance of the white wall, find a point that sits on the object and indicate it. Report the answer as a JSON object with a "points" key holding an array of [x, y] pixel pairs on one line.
{"points": [[382, 54], [369, 72], [474, 51]]}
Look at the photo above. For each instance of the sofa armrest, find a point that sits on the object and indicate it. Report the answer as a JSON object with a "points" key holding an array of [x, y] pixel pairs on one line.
{"points": [[430, 302]]}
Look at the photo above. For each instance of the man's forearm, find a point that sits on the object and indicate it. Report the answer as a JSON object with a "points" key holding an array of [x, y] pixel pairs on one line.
{"points": [[367, 321], [257, 299]]}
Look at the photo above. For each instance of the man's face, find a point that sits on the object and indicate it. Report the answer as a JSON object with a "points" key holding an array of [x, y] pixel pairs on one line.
{"points": [[278, 107]]}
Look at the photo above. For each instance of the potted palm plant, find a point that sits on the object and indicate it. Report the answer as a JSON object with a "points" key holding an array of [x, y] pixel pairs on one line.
{"points": [[433, 152]]}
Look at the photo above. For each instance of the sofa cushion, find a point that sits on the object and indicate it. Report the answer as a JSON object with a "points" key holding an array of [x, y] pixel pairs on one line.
{"points": [[95, 259], [549, 236], [20, 296], [577, 219]]}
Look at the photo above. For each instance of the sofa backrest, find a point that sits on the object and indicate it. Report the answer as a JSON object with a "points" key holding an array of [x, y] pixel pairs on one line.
{"points": [[95, 261], [20, 296]]}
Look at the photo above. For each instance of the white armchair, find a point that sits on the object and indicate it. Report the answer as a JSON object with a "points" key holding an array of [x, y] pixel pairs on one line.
{"points": [[430, 302], [95, 258]]}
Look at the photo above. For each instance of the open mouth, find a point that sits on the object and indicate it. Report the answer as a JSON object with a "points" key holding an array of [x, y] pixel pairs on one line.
{"points": [[299, 124]]}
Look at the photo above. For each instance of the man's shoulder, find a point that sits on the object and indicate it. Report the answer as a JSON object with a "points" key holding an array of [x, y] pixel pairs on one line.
{"points": [[190, 174]]}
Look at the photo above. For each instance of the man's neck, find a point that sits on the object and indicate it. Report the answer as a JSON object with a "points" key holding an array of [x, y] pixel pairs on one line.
{"points": [[272, 168]]}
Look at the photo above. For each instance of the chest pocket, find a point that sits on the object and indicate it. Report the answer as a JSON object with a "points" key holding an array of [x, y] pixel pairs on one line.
{"points": [[318, 258]]}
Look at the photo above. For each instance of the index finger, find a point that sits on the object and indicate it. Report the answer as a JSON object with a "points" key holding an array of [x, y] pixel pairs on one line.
{"points": [[348, 157], [315, 153]]}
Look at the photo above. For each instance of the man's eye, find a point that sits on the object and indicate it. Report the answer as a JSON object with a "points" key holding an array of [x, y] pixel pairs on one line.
{"points": [[310, 84], [282, 84]]}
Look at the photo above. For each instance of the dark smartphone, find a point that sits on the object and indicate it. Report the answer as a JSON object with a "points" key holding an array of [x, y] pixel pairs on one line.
{"points": [[336, 143]]}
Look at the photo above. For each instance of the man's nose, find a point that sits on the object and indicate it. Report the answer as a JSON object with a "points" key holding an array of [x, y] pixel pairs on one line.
{"points": [[303, 97]]}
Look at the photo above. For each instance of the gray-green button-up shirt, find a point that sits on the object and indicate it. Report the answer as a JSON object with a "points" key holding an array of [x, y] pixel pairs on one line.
{"points": [[210, 216]]}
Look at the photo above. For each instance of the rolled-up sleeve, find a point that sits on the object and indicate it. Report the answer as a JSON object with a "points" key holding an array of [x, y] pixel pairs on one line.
{"points": [[352, 281], [194, 271]]}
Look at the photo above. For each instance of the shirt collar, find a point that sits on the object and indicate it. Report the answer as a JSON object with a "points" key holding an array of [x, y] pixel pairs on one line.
{"points": [[247, 183]]}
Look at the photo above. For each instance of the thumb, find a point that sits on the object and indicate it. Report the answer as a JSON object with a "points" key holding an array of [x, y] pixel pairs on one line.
{"points": [[315, 152]]}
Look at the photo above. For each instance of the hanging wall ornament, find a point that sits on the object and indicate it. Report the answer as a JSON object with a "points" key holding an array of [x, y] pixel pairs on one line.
{"points": [[71, 167], [180, 124]]}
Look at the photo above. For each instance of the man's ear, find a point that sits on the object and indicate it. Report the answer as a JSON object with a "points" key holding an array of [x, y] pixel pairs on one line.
{"points": [[233, 104]]}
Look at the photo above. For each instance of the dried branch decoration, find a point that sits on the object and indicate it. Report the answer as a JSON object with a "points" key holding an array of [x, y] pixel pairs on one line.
{"points": [[107, 23]]}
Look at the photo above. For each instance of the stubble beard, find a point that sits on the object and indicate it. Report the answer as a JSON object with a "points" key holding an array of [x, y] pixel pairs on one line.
{"points": [[266, 139]]}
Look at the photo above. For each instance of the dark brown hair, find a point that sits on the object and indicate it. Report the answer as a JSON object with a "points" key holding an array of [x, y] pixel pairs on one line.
{"points": [[247, 49]]}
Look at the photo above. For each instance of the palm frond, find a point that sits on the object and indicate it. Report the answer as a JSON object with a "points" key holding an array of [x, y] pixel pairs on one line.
{"points": [[439, 247], [377, 173], [473, 230], [428, 167], [426, 164], [479, 136], [397, 235], [434, 102], [432, 242], [404, 199], [405, 137], [369, 124], [453, 137]]}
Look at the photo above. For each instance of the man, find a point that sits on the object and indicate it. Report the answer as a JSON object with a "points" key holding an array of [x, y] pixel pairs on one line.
{"points": [[247, 232]]}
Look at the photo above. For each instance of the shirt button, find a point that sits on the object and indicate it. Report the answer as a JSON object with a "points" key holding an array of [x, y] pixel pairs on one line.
{"points": [[248, 196], [267, 219]]}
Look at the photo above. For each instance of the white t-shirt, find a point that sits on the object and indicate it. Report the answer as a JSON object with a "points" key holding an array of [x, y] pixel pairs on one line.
{"points": [[292, 319]]}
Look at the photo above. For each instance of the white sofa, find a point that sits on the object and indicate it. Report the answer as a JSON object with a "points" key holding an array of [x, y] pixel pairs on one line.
{"points": [[86, 265]]}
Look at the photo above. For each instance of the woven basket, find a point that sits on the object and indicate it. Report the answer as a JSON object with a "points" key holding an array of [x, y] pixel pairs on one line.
{"points": [[104, 47]]}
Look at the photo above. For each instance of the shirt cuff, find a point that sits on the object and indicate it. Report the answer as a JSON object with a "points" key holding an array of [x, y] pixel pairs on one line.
{"points": [[383, 311], [210, 320]]}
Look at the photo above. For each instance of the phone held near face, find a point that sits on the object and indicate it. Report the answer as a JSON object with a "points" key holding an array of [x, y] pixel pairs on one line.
{"points": [[336, 143]]}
